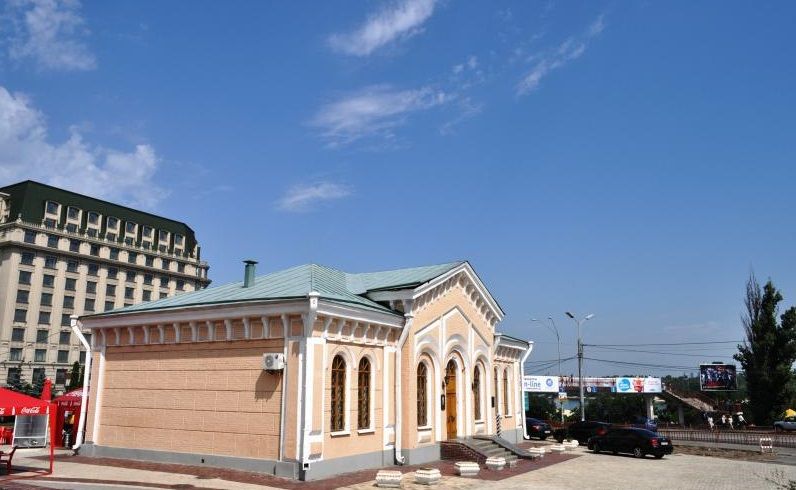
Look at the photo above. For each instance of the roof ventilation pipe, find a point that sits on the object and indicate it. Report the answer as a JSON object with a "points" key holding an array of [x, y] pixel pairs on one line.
{"points": [[248, 274]]}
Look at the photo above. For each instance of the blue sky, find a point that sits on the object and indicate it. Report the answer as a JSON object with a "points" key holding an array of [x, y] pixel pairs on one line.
{"points": [[631, 160]]}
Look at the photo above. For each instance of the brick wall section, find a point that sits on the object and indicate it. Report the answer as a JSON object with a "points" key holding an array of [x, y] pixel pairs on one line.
{"points": [[459, 452]]}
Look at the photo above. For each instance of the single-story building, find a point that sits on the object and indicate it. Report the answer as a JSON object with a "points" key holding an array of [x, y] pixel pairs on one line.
{"points": [[305, 372]]}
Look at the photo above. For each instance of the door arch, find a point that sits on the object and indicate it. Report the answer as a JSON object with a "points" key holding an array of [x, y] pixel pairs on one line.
{"points": [[450, 399]]}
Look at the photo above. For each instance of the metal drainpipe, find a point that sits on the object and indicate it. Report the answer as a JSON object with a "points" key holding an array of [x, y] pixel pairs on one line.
{"points": [[81, 425], [522, 372], [399, 458]]}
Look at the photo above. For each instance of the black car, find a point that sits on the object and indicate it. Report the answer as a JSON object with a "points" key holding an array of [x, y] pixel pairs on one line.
{"points": [[638, 442], [582, 431], [538, 428]]}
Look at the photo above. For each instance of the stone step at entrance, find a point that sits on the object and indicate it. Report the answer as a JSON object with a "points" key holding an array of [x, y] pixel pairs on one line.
{"points": [[480, 448]]}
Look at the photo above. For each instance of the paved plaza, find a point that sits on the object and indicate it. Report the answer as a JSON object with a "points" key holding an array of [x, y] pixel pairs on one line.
{"points": [[588, 470]]}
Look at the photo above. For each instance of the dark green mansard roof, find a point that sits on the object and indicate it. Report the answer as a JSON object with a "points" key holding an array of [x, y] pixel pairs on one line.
{"points": [[28, 198], [297, 282]]}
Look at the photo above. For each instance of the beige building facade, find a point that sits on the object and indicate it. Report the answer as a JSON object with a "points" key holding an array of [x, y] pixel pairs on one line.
{"points": [[379, 369], [64, 254]]}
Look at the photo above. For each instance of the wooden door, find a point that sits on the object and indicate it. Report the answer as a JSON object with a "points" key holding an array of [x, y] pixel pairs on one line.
{"points": [[450, 399]]}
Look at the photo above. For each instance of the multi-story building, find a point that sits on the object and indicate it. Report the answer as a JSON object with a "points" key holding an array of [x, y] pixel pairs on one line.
{"points": [[64, 254]]}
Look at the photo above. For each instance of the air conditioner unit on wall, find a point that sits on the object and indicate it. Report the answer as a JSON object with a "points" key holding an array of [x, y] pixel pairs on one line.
{"points": [[273, 362]]}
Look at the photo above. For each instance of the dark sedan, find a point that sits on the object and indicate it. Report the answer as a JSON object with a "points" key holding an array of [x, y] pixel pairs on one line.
{"points": [[638, 442], [582, 431], [538, 428]]}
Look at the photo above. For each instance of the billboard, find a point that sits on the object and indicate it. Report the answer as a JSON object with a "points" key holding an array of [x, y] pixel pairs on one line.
{"points": [[717, 377], [638, 385], [540, 384]]}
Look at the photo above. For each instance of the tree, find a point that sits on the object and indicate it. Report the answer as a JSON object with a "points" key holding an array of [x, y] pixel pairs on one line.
{"points": [[542, 407], [75, 378], [768, 352]]}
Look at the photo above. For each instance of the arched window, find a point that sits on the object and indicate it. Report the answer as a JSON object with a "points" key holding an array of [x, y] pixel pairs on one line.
{"points": [[364, 394], [506, 391], [477, 392], [422, 397], [338, 393]]}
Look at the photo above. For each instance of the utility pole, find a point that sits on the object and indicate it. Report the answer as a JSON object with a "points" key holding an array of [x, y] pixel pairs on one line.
{"points": [[554, 329], [580, 362]]}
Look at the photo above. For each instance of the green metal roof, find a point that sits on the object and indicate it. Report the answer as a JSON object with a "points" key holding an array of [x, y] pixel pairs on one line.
{"points": [[298, 282]]}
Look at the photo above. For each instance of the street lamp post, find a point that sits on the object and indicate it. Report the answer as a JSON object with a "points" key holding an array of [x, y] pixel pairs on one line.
{"points": [[554, 329], [580, 361]]}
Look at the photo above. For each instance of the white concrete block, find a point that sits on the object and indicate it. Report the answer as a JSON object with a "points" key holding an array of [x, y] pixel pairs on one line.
{"points": [[388, 479], [467, 468], [427, 476], [496, 464]]}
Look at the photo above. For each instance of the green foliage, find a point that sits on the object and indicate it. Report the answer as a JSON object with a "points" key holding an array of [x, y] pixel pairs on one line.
{"points": [[542, 407], [768, 353], [75, 377], [616, 408]]}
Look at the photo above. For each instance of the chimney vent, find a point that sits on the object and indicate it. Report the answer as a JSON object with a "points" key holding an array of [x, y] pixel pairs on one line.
{"points": [[248, 275]]}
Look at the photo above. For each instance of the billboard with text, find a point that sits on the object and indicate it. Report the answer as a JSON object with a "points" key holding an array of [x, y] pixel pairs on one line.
{"points": [[540, 384], [717, 377]]}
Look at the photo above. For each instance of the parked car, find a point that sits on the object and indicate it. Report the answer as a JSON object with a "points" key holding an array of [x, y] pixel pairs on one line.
{"points": [[638, 442], [538, 428], [644, 423], [582, 431], [788, 423]]}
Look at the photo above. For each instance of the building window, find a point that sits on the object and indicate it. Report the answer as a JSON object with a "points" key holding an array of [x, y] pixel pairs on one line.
{"points": [[110, 290], [72, 212], [363, 390], [180, 285], [69, 301], [52, 241], [93, 218], [92, 232], [15, 354], [147, 295], [338, 393], [130, 276], [41, 336], [44, 318], [38, 376], [18, 335], [147, 245], [112, 272], [60, 376], [30, 236], [71, 228], [93, 269], [422, 395], [82, 358], [52, 207], [91, 287], [108, 305], [14, 375], [65, 337], [147, 233], [111, 236], [63, 356], [128, 293], [71, 265], [129, 227], [164, 281], [20, 315], [180, 267], [149, 261], [163, 236], [50, 262], [22, 296], [94, 250], [148, 279], [48, 280], [477, 392], [66, 320], [165, 264], [113, 223], [89, 305], [40, 355], [27, 258], [132, 257], [114, 253], [46, 299], [506, 391], [70, 284], [24, 277]]}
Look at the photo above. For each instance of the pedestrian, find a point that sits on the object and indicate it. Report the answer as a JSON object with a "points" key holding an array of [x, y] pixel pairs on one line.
{"points": [[729, 422], [723, 420], [741, 421], [710, 421]]}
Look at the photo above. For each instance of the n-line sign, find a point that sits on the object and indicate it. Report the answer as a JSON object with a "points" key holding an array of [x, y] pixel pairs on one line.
{"points": [[552, 384]]}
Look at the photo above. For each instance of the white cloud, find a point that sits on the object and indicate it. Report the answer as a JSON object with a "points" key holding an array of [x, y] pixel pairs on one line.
{"points": [[26, 153], [304, 197], [49, 33], [470, 64], [569, 50], [399, 21], [373, 112]]}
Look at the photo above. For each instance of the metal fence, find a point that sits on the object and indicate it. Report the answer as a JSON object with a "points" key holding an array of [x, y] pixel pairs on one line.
{"points": [[741, 438]]}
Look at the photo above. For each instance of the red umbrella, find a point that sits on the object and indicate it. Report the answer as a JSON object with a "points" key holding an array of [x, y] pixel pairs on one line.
{"points": [[46, 390]]}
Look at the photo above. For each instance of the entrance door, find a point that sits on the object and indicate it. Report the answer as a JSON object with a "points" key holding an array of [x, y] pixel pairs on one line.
{"points": [[450, 399]]}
